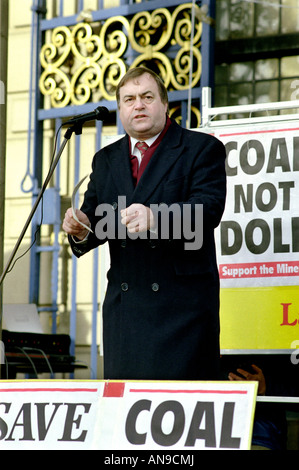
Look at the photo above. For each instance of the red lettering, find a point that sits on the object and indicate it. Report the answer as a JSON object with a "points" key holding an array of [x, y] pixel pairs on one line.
{"points": [[285, 316]]}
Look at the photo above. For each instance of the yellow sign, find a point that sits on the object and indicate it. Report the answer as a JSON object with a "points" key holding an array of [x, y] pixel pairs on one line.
{"points": [[259, 317]]}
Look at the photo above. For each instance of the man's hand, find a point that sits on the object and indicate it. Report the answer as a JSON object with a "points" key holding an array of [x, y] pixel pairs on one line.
{"points": [[72, 227], [137, 218], [256, 376]]}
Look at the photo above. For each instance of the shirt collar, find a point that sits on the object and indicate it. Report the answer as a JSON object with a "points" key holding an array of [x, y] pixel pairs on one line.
{"points": [[148, 141]]}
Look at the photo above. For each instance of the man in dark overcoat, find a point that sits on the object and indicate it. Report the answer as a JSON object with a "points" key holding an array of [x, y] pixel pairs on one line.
{"points": [[158, 211]]}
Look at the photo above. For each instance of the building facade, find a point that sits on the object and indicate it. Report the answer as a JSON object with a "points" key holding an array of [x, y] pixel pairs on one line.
{"points": [[65, 57]]}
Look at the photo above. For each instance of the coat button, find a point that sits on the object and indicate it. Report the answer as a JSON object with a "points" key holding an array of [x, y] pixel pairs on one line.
{"points": [[114, 206], [124, 286], [123, 243], [155, 287]]}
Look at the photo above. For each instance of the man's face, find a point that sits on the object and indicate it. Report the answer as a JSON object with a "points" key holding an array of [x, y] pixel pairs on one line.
{"points": [[141, 110]]}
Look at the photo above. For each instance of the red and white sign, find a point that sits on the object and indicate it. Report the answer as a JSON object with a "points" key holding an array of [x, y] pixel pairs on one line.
{"points": [[48, 415], [258, 238], [126, 415]]}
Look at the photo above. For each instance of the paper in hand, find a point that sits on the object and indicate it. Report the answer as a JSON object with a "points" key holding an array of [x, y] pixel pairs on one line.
{"points": [[76, 188]]}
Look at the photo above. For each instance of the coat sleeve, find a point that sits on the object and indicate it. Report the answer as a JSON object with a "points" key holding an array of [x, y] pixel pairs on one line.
{"points": [[79, 248], [208, 182], [204, 190]]}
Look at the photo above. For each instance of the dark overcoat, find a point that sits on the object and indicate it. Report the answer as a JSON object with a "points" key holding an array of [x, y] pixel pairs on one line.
{"points": [[161, 310]]}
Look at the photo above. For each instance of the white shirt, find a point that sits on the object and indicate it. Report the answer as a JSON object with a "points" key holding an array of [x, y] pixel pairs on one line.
{"points": [[135, 151]]}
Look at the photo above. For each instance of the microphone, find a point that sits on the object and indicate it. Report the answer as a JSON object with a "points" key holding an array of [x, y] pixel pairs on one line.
{"points": [[100, 114]]}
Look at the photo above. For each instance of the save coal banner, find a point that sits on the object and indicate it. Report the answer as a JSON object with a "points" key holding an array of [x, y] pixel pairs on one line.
{"points": [[118, 415], [258, 238]]}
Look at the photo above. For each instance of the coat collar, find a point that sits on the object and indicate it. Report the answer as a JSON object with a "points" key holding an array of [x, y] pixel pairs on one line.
{"points": [[167, 153], [118, 160]]}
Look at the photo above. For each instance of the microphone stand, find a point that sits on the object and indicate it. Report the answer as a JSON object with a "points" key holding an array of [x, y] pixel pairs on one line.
{"points": [[77, 128]]}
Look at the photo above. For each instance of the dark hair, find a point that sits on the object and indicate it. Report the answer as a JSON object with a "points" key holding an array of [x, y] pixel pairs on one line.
{"points": [[137, 72]]}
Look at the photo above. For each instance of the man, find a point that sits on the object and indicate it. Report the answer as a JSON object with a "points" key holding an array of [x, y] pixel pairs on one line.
{"points": [[161, 310]]}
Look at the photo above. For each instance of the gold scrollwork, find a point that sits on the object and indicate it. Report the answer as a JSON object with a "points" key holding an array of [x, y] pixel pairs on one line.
{"points": [[195, 117], [150, 30], [177, 29], [84, 63], [70, 65], [115, 43]]}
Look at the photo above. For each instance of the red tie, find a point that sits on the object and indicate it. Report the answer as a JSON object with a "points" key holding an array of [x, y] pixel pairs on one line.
{"points": [[142, 146]]}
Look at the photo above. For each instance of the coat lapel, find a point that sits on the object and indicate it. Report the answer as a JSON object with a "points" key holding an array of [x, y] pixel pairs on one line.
{"points": [[165, 156], [119, 162]]}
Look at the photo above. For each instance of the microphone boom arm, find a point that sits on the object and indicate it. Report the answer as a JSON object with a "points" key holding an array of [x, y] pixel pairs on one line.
{"points": [[77, 128]]}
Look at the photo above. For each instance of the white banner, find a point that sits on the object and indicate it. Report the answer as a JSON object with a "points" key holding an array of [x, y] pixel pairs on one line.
{"points": [[258, 238], [48, 415], [162, 416]]}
